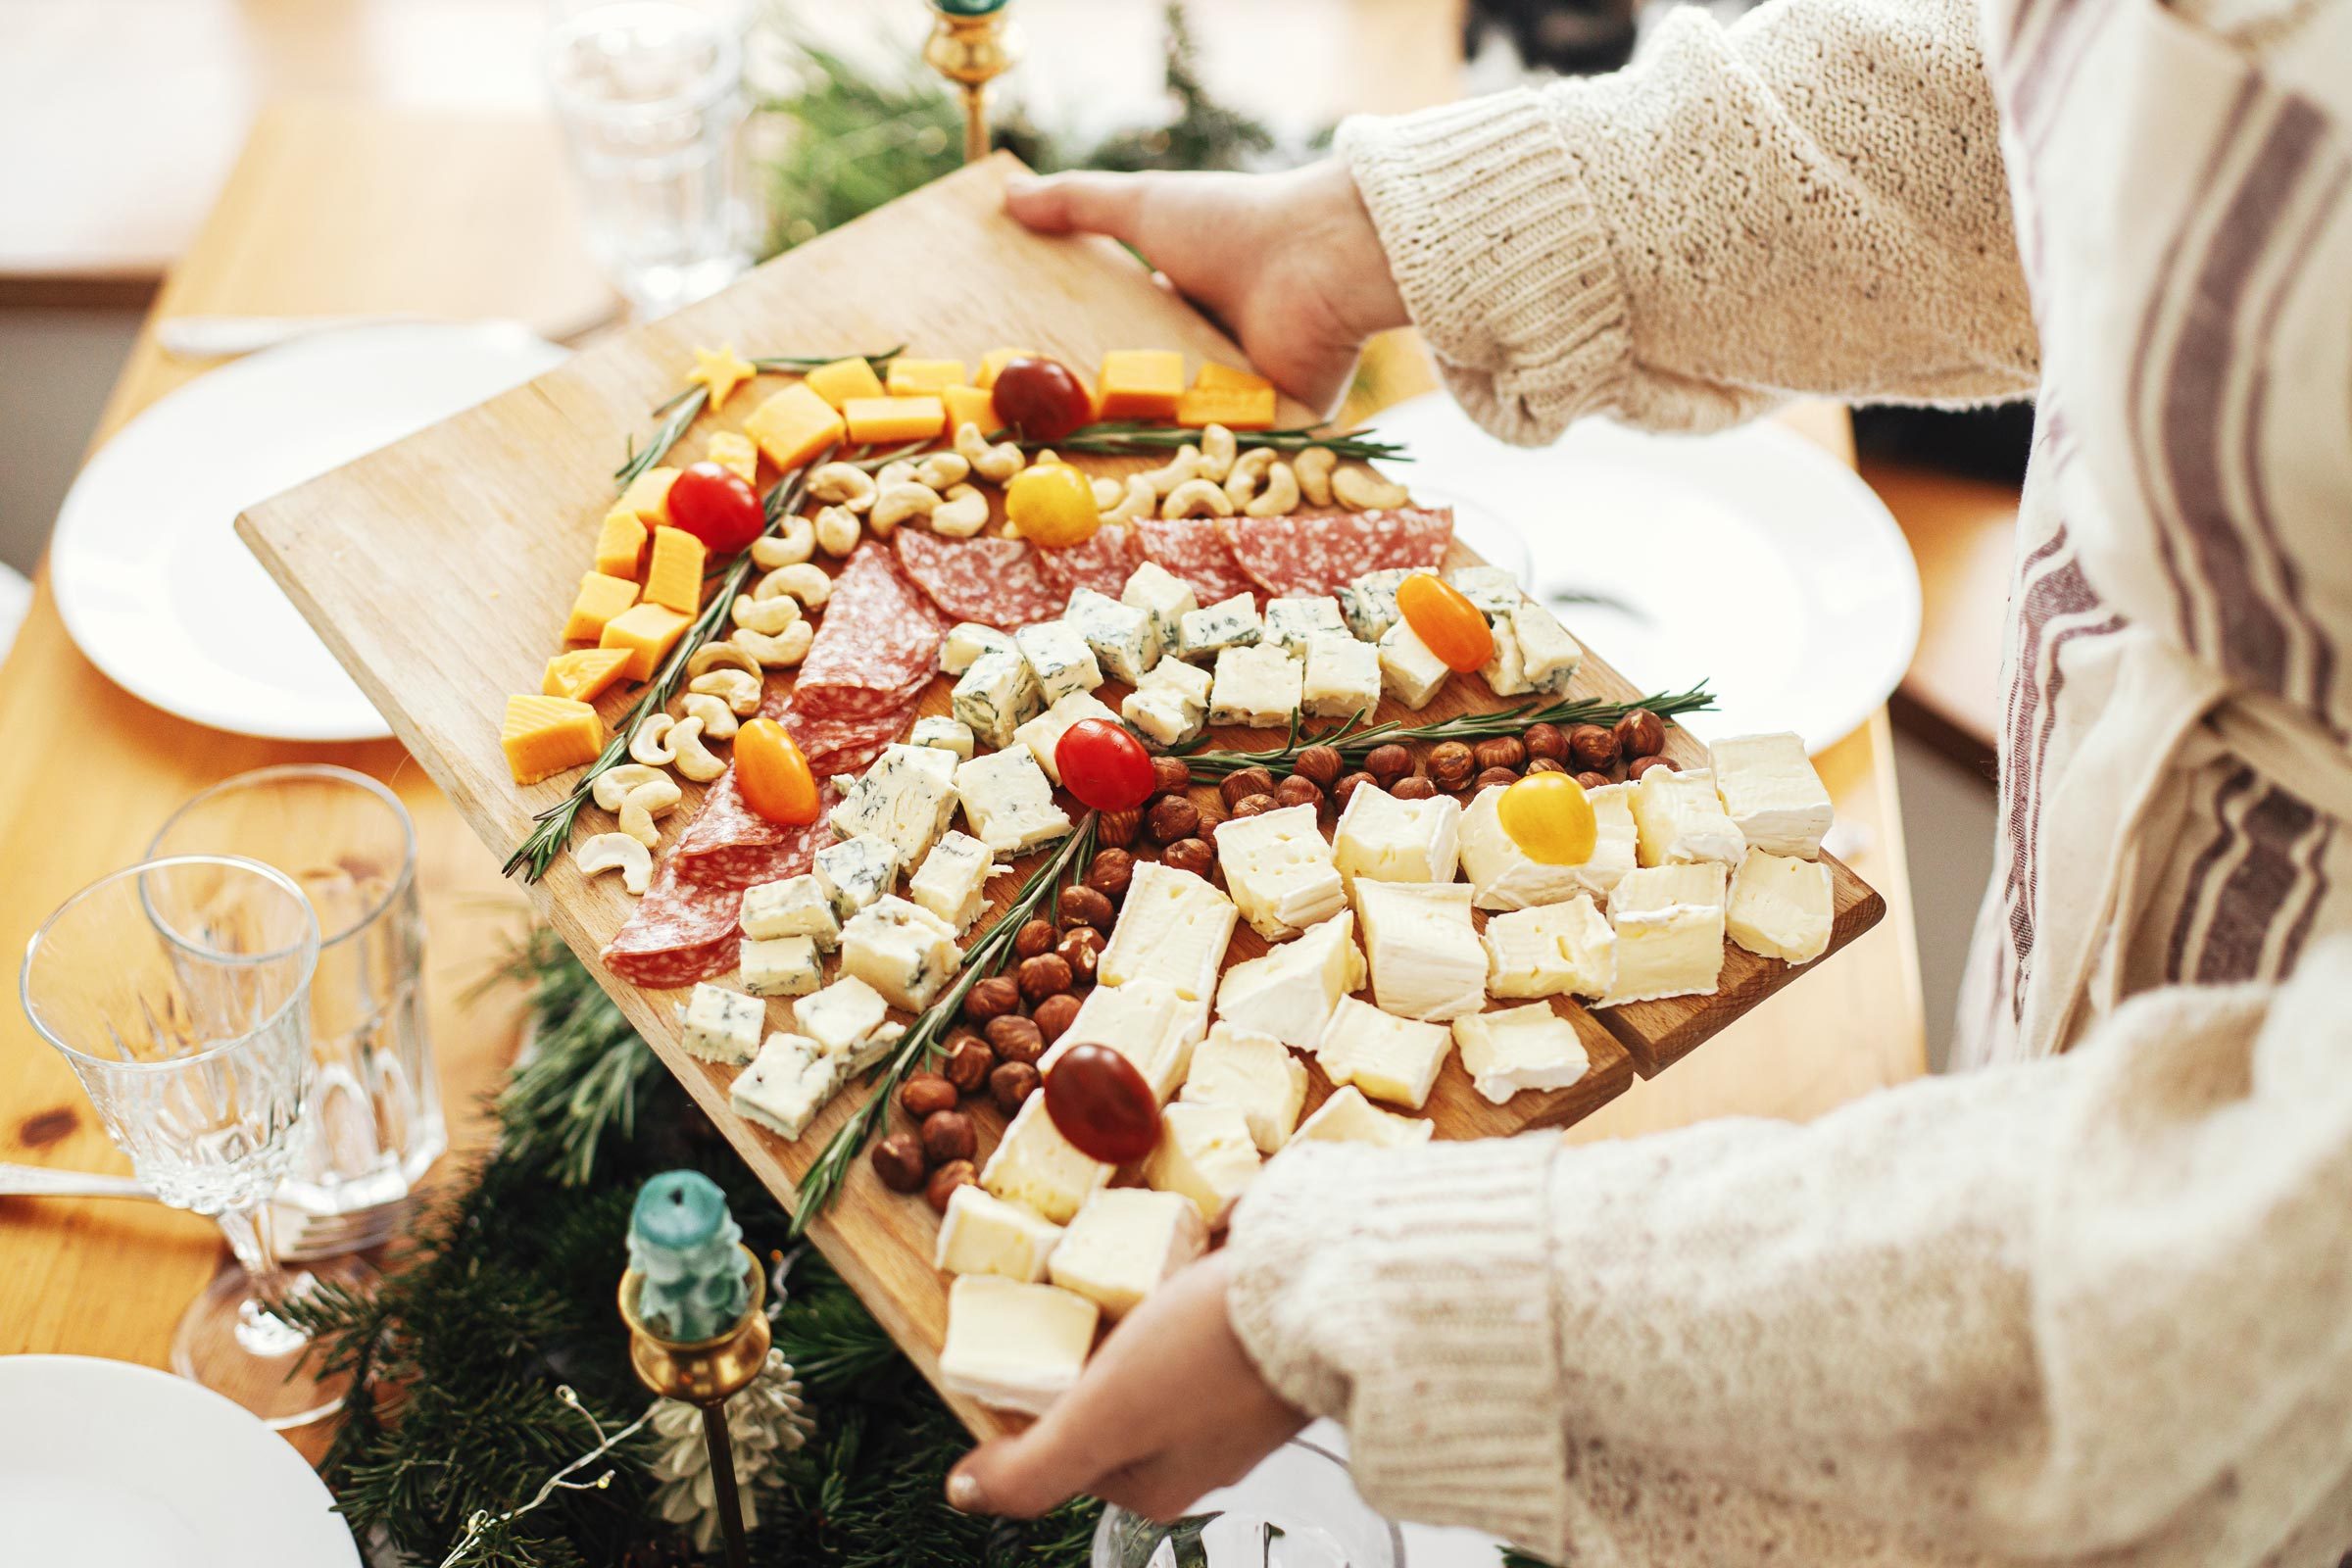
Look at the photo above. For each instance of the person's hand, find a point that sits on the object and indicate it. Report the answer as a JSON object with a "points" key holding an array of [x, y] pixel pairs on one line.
{"points": [[1169, 1408], [1289, 264]]}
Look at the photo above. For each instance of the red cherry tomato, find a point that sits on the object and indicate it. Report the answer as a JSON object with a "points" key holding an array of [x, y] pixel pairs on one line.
{"points": [[718, 507], [1042, 399], [772, 774], [1104, 765], [1099, 1102]]}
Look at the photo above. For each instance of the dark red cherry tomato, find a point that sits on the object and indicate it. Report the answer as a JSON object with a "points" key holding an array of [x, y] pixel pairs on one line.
{"points": [[1104, 765], [1042, 399], [1099, 1102], [718, 507]]}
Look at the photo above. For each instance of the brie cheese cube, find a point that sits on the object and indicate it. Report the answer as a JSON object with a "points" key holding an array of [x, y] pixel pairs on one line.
{"points": [[996, 696], [795, 907], [723, 1025], [982, 1234], [1210, 630], [1012, 1346], [1552, 950], [1343, 678], [1681, 819], [1253, 1073], [1043, 734], [1669, 922], [1547, 656], [966, 641], [1369, 603], [1771, 793], [1058, 658], [1293, 624], [1388, 1058], [1427, 961], [1037, 1167], [854, 872], [1408, 670], [948, 734], [904, 800], [1388, 840], [1143, 1021], [786, 1085], [1124, 641], [1124, 1243], [1662, 887], [779, 966], [1206, 1154], [1256, 687], [1503, 877], [1172, 926], [1780, 907], [1279, 870], [840, 1017], [1164, 597], [1518, 1049], [1346, 1116], [1007, 802], [954, 880], [1172, 704], [1494, 591], [902, 950], [1290, 991]]}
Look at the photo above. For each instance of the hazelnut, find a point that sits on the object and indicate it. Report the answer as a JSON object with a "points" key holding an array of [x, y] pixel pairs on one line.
{"points": [[1297, 790], [949, 1135], [1450, 764], [1544, 765], [1170, 776], [1594, 781], [1014, 1038], [1081, 949], [1643, 764], [1501, 750], [1413, 788], [944, 1180], [1347, 786], [899, 1161], [1640, 733], [1592, 749], [1254, 806], [1173, 817], [1319, 765], [1048, 974], [1012, 1083], [1546, 741], [1387, 764], [1118, 828], [1052, 1020], [1032, 937], [992, 997], [924, 1093], [1239, 785], [1190, 854], [1212, 812], [1083, 906], [968, 1061], [1110, 874], [1494, 776]]}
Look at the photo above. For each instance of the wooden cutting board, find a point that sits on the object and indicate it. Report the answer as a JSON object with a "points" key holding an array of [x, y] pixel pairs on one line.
{"points": [[439, 570]]}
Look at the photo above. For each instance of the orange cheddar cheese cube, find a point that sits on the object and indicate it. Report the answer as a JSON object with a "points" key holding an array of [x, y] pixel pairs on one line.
{"points": [[648, 632], [1141, 383], [911, 378], [793, 425], [674, 575], [648, 495], [843, 381], [969, 405], [734, 451], [993, 362], [543, 735], [888, 421], [620, 543], [600, 599], [1235, 408], [585, 674], [1215, 377]]}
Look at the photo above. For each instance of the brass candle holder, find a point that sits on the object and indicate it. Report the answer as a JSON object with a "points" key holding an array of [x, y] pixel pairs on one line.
{"points": [[706, 1374], [972, 43]]}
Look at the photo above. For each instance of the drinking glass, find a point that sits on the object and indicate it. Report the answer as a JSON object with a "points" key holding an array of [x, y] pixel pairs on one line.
{"points": [[178, 993], [1298, 1509]]}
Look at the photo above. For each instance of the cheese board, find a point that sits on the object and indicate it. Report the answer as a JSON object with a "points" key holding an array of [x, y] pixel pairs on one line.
{"points": [[440, 571]]}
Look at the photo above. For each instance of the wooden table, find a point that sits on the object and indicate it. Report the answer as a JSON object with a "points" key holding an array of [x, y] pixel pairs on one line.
{"points": [[111, 1278]]}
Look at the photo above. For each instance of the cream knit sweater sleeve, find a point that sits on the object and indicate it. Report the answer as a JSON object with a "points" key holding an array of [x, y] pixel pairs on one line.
{"points": [[2091, 1308], [1811, 200]]}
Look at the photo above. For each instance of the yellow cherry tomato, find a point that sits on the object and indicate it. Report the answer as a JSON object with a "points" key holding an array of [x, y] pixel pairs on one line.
{"points": [[1548, 815], [1451, 626], [773, 775], [1051, 504]]}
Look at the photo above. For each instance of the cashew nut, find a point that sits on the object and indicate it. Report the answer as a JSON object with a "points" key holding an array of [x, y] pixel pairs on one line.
{"points": [[765, 615], [650, 745], [942, 470], [1249, 472], [998, 463], [1108, 493], [964, 514], [780, 651], [1314, 468], [1185, 465], [1362, 490], [807, 582], [693, 760], [1045, 459], [900, 471], [719, 657], [1197, 497], [637, 795], [844, 483], [904, 503], [1140, 501], [837, 528], [1281, 494], [718, 719], [738, 689], [616, 852], [793, 544], [1217, 449]]}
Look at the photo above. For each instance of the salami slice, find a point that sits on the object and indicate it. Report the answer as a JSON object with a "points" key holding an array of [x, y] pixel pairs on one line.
{"points": [[877, 646], [1192, 549], [682, 932], [1103, 564], [1321, 552], [997, 583]]}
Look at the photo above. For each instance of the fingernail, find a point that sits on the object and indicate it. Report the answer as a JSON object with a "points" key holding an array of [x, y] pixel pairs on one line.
{"points": [[964, 1493]]}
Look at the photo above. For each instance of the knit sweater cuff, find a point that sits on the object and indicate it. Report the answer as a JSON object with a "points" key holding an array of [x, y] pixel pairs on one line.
{"points": [[1410, 1294], [1500, 256]]}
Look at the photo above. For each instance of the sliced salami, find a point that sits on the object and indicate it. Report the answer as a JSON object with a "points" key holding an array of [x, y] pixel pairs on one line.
{"points": [[1321, 552], [1194, 550], [682, 932], [877, 645], [997, 583], [1103, 564]]}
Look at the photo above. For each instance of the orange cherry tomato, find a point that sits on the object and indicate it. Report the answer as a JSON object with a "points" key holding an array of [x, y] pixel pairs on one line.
{"points": [[1454, 628], [1548, 817], [773, 775]]}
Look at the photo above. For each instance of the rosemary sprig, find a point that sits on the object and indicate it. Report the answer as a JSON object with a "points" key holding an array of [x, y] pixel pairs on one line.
{"points": [[1129, 438], [789, 363], [988, 954], [537, 852]]}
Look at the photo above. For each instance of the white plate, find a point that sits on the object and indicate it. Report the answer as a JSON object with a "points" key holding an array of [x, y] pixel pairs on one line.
{"points": [[104, 1464], [1751, 560], [152, 581]]}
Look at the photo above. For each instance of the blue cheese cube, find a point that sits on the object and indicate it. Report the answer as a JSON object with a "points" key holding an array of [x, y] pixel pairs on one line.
{"points": [[946, 733], [904, 800], [1164, 597], [1124, 641], [1256, 687], [1369, 603], [1228, 623], [1547, 656], [953, 880], [1293, 623], [841, 1016], [1503, 672], [1343, 678], [1007, 802], [1190, 682], [1170, 708], [786, 1085], [780, 966], [1408, 670], [995, 694], [1060, 659], [1043, 734], [966, 642], [795, 907], [723, 1025], [902, 950], [854, 872], [1490, 588]]}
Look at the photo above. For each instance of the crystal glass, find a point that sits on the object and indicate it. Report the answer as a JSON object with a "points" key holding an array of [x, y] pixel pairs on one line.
{"points": [[374, 1124], [649, 94], [1298, 1509], [179, 992]]}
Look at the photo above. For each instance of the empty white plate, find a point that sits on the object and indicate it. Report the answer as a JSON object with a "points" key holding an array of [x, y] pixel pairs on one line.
{"points": [[104, 1464], [152, 581], [1751, 560]]}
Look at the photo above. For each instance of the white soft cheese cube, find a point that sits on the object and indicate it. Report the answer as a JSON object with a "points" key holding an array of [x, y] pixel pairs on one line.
{"points": [[1292, 624], [1143, 1021], [1124, 1244], [786, 1085], [1279, 869], [1014, 1345], [838, 1018], [1035, 1166], [904, 951], [1553, 949], [1391, 1059], [1172, 926], [1548, 656], [795, 906], [854, 872], [779, 966], [1661, 887], [1519, 1048], [723, 1025], [1408, 670], [1341, 679], [982, 1234], [1206, 1154], [1369, 603], [1669, 924], [1288, 993], [1427, 961], [1388, 840], [1503, 877], [1164, 597], [1058, 658], [904, 800], [1346, 1116], [1780, 907], [1124, 640], [1256, 688], [953, 880], [947, 734], [1771, 793], [996, 696], [1253, 1073], [1043, 734], [1009, 801], [966, 642], [1680, 818], [1206, 632]]}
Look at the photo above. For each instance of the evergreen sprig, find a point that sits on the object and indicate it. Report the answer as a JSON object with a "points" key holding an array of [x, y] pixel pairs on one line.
{"points": [[1131, 439]]}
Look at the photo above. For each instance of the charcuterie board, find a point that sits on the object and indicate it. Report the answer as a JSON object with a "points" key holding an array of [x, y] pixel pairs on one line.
{"points": [[437, 570]]}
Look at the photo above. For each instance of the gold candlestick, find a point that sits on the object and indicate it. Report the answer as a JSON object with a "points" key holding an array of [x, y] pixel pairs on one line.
{"points": [[706, 1374], [972, 43]]}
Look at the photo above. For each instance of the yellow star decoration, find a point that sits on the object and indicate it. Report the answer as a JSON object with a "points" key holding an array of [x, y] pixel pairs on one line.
{"points": [[722, 371]]}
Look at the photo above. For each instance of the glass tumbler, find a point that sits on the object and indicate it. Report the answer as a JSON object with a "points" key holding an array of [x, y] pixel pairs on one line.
{"points": [[1298, 1509], [178, 991], [376, 1122]]}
